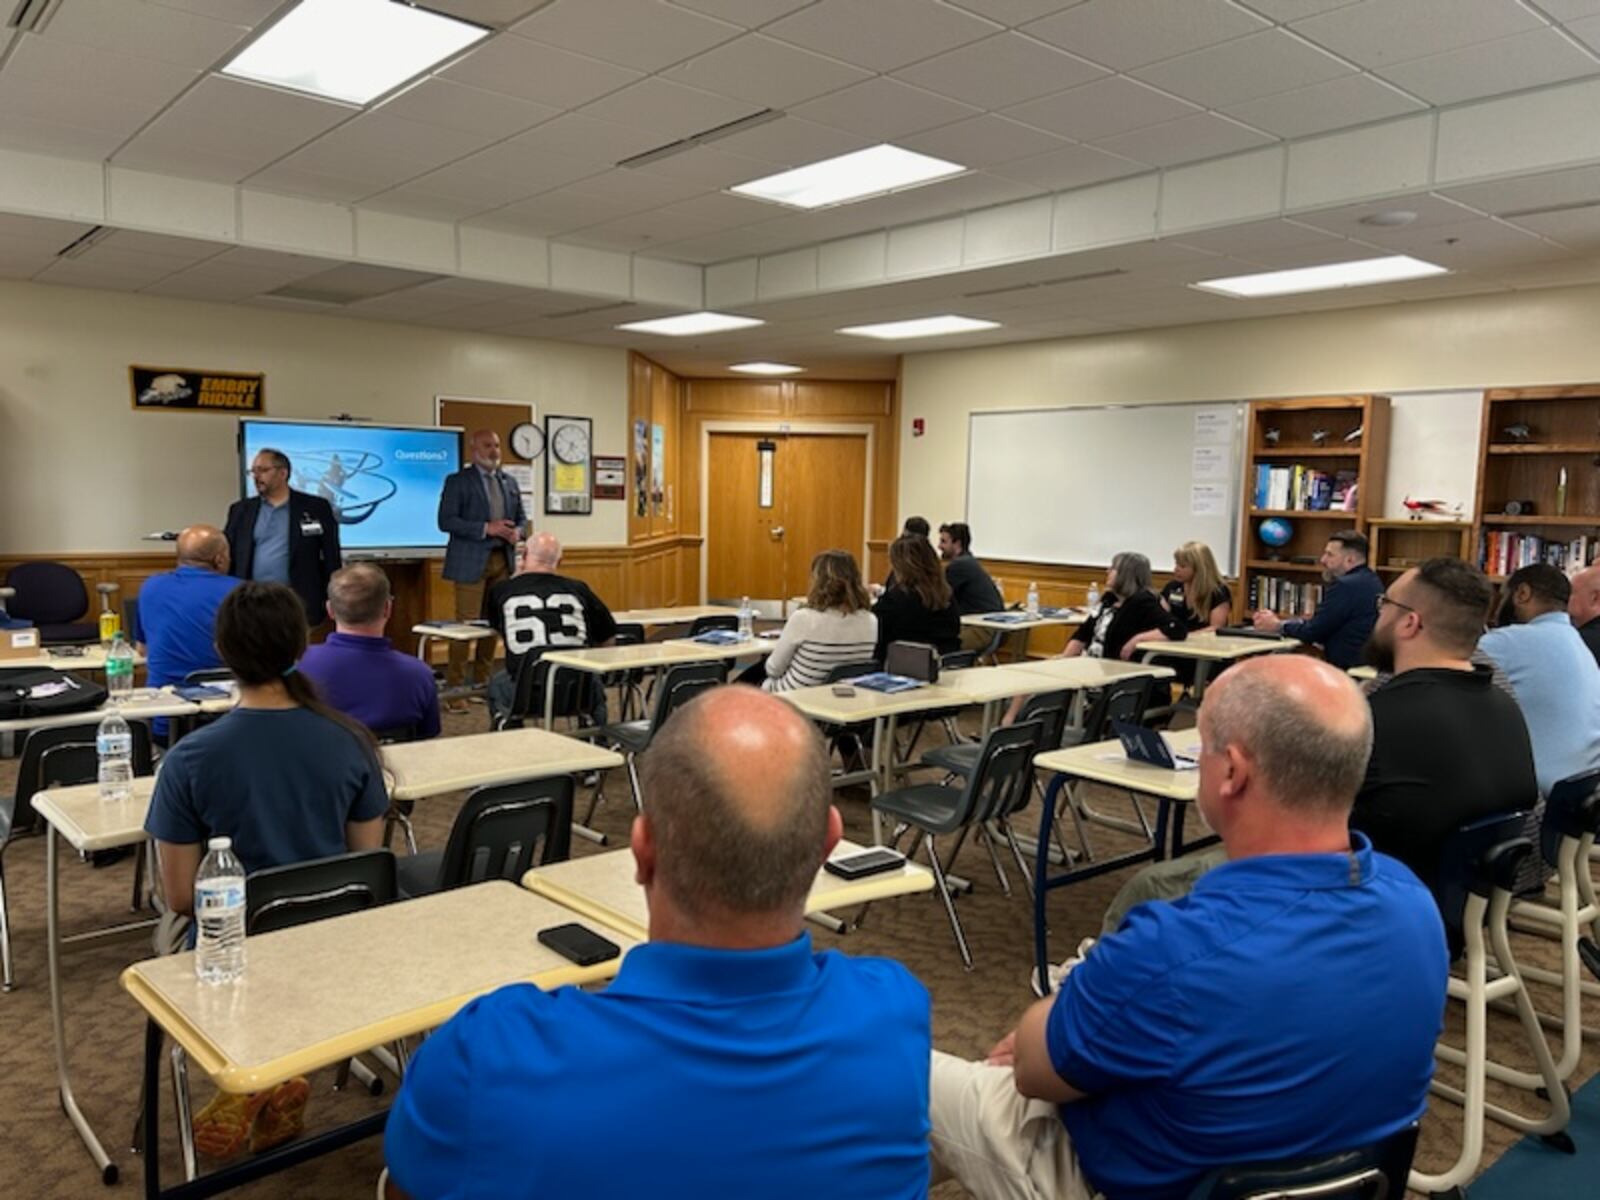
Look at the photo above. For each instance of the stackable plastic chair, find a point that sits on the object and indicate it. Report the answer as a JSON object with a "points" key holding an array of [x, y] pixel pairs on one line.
{"points": [[679, 685], [501, 832], [1373, 1172]]}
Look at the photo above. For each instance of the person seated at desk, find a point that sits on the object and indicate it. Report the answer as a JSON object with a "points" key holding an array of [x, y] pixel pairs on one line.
{"points": [[1211, 1030], [540, 609], [1195, 599], [914, 527], [1344, 619], [358, 670], [974, 590], [178, 612], [740, 1062], [918, 605], [1556, 682], [1583, 606], [836, 628]]}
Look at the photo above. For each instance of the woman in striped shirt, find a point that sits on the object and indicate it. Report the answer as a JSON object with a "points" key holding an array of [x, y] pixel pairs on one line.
{"points": [[834, 629]]}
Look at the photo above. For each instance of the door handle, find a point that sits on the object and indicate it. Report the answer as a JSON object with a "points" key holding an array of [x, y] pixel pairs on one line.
{"points": [[777, 533]]}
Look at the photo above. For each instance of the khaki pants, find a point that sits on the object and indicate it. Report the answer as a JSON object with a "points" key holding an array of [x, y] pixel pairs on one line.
{"points": [[469, 607], [1169, 880], [997, 1142], [976, 637]]}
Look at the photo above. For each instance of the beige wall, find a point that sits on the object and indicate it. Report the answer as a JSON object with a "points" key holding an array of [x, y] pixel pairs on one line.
{"points": [[81, 471], [1462, 345]]}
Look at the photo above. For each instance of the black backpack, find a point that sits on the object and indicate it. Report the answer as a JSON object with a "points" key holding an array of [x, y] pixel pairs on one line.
{"points": [[19, 687]]}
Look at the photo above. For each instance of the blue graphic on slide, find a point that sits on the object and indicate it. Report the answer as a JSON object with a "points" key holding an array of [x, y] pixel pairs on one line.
{"points": [[382, 482]]}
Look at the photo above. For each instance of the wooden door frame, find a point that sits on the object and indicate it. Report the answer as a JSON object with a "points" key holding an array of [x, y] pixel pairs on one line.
{"points": [[787, 429]]}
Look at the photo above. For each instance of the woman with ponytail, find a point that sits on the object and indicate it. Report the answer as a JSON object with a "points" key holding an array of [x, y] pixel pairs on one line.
{"points": [[283, 775]]}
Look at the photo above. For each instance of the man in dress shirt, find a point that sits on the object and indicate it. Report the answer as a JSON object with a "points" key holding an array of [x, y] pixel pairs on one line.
{"points": [[481, 510], [283, 536]]}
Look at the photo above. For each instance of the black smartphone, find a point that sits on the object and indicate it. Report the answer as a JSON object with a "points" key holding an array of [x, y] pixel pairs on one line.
{"points": [[869, 862], [578, 944]]}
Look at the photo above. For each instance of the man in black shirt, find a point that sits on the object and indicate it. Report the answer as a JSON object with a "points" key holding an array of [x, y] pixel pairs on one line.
{"points": [[974, 591], [1448, 746], [537, 610], [1583, 606]]}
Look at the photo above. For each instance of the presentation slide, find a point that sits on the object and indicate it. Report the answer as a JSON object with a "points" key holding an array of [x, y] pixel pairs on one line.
{"points": [[383, 481]]}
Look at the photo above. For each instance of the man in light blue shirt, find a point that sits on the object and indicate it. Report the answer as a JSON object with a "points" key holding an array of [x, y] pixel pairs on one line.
{"points": [[1553, 675], [272, 543]]}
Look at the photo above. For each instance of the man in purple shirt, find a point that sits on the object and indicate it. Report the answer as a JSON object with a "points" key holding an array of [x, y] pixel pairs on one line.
{"points": [[358, 670]]}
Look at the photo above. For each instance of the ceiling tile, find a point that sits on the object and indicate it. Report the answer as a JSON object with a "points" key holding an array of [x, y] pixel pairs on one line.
{"points": [[515, 162], [639, 231], [1001, 70], [1102, 109], [709, 167], [1570, 10], [497, 14], [413, 201], [1577, 229], [1578, 186], [883, 109], [1187, 139], [1375, 33], [240, 12], [766, 73], [152, 31], [226, 129], [983, 141], [1124, 34], [1245, 69], [880, 34], [1587, 31], [491, 115], [579, 136], [725, 210], [1070, 167], [644, 34], [1470, 245], [750, 13], [1336, 104], [1257, 237], [1294, 10], [532, 71], [1552, 274], [721, 246], [1014, 12], [791, 142], [18, 132], [634, 189], [1345, 220], [179, 249], [68, 84], [1490, 68], [670, 109], [552, 213]]}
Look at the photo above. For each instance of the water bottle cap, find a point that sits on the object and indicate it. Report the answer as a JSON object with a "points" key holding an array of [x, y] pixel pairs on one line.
{"points": [[220, 843]]}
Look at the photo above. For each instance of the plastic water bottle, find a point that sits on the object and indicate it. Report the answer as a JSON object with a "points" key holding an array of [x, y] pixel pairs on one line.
{"points": [[747, 618], [219, 914], [1094, 596], [113, 743], [119, 668], [1033, 599]]}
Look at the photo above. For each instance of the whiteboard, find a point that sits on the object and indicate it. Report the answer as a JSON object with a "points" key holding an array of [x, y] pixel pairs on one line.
{"points": [[1079, 485]]}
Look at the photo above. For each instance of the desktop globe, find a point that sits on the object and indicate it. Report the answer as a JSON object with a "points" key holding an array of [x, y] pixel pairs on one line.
{"points": [[1275, 532]]}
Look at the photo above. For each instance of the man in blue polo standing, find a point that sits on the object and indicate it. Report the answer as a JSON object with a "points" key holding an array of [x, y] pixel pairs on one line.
{"points": [[177, 611], [481, 509], [740, 1062]]}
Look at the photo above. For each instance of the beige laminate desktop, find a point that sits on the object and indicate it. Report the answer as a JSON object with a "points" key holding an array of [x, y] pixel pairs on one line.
{"points": [[439, 765]]}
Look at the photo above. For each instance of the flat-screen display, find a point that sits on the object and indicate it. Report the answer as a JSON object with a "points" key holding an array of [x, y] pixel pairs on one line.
{"points": [[382, 480]]}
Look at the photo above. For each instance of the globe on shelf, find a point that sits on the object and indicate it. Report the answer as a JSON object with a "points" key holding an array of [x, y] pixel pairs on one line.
{"points": [[1275, 532]]}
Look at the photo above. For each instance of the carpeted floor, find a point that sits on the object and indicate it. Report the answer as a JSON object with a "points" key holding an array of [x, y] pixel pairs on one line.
{"points": [[40, 1156]]}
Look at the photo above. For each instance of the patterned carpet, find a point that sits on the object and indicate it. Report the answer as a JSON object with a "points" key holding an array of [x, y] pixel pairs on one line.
{"points": [[40, 1156]]}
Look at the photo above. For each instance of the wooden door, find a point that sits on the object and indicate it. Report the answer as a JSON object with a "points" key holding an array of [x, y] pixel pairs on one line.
{"points": [[818, 503]]}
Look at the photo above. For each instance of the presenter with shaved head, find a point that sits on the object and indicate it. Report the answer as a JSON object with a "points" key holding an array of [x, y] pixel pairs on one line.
{"points": [[481, 509]]}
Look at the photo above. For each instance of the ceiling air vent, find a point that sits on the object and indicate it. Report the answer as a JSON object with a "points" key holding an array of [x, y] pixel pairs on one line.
{"points": [[1039, 283], [704, 137], [30, 16]]}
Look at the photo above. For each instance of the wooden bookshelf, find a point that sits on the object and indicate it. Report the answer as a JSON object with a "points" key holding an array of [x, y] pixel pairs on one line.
{"points": [[1560, 432], [1296, 421], [1400, 544]]}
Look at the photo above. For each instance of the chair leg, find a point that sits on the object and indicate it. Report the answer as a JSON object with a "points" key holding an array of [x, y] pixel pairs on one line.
{"points": [[943, 889], [1016, 853], [180, 1097], [594, 801], [633, 782], [6, 979], [137, 902], [987, 838], [1079, 825]]}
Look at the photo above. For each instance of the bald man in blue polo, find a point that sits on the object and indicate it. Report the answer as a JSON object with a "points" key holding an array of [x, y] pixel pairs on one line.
{"points": [[736, 1061]]}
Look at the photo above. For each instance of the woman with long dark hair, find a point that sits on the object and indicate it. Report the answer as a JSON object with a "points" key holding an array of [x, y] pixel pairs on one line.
{"points": [[283, 775], [918, 605]]}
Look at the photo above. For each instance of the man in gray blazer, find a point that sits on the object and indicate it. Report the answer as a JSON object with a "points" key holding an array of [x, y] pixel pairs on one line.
{"points": [[481, 510]]}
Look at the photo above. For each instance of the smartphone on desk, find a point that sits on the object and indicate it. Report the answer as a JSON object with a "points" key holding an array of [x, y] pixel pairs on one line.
{"points": [[843, 690], [868, 862], [579, 945]]}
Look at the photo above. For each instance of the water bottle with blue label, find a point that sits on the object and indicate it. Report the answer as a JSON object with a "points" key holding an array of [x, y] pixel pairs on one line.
{"points": [[1033, 600], [219, 915], [113, 743], [747, 618]]}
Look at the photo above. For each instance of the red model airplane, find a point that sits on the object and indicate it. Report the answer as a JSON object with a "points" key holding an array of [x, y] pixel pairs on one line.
{"points": [[1429, 508]]}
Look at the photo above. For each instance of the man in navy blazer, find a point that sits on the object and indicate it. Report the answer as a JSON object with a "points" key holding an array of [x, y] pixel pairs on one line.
{"points": [[481, 509], [283, 536], [1343, 621]]}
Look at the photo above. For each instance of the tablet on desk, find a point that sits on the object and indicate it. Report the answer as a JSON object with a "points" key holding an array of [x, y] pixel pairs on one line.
{"points": [[1149, 747], [882, 681], [1006, 618]]}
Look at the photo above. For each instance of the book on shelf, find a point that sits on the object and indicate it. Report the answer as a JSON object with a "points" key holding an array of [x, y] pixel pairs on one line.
{"points": [[1501, 552], [1299, 488], [1286, 597]]}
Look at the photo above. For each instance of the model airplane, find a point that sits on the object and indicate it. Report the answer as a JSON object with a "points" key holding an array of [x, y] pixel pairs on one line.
{"points": [[1430, 508], [1355, 434], [1271, 436], [1518, 433], [1319, 437]]}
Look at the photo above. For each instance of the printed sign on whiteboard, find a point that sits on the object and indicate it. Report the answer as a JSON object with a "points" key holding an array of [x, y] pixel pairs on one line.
{"points": [[1213, 426], [1208, 499], [1210, 462]]}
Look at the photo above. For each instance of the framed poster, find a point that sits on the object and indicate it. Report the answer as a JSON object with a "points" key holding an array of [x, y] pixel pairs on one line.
{"points": [[610, 478], [182, 389], [568, 466]]}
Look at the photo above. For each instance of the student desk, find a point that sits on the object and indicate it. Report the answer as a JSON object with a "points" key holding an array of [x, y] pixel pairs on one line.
{"points": [[316, 994], [140, 704], [650, 656], [1105, 763], [418, 770], [1363, 673], [1206, 649], [1014, 621], [601, 887], [93, 658], [87, 823], [990, 686], [681, 615], [449, 631]]}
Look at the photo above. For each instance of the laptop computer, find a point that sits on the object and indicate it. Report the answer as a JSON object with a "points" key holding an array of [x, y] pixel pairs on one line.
{"points": [[1149, 747]]}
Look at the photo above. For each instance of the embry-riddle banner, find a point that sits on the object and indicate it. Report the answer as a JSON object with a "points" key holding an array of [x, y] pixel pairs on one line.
{"points": [[168, 389]]}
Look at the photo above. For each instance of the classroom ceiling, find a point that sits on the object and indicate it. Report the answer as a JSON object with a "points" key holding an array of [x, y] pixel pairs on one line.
{"points": [[488, 195]]}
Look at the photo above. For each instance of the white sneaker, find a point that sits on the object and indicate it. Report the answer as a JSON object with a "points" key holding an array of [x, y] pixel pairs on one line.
{"points": [[1059, 971]]}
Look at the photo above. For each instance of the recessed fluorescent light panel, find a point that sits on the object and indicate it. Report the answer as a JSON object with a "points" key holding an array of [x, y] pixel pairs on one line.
{"points": [[856, 176], [1321, 279], [689, 324], [765, 368], [351, 50], [920, 327]]}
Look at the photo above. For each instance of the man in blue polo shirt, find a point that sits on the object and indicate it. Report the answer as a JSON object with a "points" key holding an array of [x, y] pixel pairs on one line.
{"points": [[178, 611], [738, 1060], [1343, 621], [358, 671], [1209, 1030]]}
